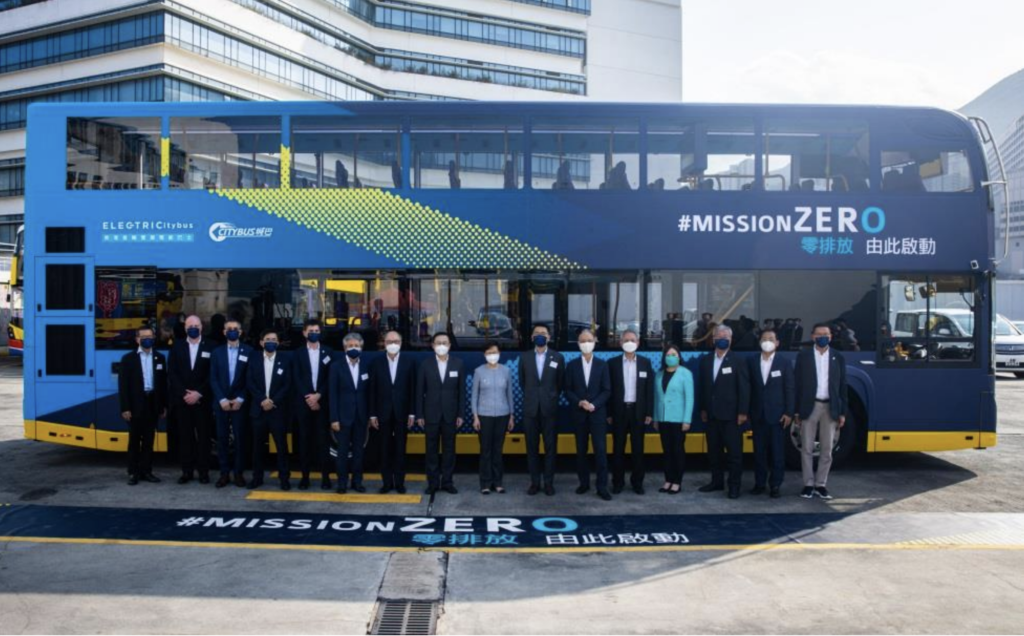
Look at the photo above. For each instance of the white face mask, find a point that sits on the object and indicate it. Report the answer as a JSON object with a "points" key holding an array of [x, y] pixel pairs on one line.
{"points": [[492, 358], [629, 347], [441, 350], [393, 349], [587, 347], [768, 346]]}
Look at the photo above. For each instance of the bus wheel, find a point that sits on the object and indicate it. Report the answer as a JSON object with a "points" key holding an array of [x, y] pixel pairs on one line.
{"points": [[842, 450]]}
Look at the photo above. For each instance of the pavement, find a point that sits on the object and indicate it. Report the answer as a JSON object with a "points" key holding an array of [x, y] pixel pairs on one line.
{"points": [[913, 543]]}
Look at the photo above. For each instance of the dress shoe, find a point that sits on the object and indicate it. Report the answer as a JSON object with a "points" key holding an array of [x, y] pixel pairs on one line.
{"points": [[384, 489], [451, 489], [341, 490], [400, 489], [549, 490], [663, 489], [286, 485], [240, 480], [204, 478], [325, 483], [254, 484], [775, 494], [358, 487], [807, 492], [582, 489], [822, 492], [223, 481], [184, 479], [151, 478], [132, 480], [304, 483], [638, 489], [604, 495], [674, 491], [533, 489], [757, 490], [734, 493], [712, 487], [616, 489]]}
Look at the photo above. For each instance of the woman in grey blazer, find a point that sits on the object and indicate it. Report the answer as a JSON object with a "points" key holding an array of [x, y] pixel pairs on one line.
{"points": [[491, 403]]}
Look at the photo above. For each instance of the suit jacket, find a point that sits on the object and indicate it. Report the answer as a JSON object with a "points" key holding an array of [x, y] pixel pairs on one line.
{"points": [[776, 398], [598, 392], [185, 377], [280, 384], [807, 383], [675, 404], [395, 399], [222, 388], [349, 405], [440, 399], [131, 385], [302, 376], [728, 396], [540, 395], [644, 388]]}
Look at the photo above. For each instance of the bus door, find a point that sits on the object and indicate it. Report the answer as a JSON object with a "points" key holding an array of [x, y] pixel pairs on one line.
{"points": [[65, 387]]}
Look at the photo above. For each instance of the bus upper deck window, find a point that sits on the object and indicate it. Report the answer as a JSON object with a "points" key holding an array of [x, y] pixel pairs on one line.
{"points": [[723, 157], [586, 154], [208, 153], [473, 153], [114, 153], [815, 156], [355, 152], [926, 170]]}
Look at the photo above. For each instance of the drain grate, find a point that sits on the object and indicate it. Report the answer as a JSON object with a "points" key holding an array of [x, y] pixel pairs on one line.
{"points": [[405, 617]]}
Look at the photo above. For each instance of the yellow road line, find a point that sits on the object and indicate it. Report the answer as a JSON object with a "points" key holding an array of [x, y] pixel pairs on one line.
{"points": [[755, 547], [367, 477], [271, 495]]}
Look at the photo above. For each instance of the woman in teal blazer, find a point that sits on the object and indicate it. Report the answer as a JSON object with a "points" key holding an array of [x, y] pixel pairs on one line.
{"points": [[673, 412]]}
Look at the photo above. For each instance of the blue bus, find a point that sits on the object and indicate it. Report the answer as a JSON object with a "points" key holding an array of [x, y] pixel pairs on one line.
{"points": [[485, 219]]}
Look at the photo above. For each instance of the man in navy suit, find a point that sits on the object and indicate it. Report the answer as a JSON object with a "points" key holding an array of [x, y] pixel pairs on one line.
{"points": [[228, 376], [190, 398], [822, 403], [588, 387], [392, 409], [269, 385], [440, 403], [310, 374], [724, 405], [349, 404], [772, 397], [142, 390], [541, 376]]}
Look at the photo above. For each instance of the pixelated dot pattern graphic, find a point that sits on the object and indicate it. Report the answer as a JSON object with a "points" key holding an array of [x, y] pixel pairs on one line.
{"points": [[396, 227]]}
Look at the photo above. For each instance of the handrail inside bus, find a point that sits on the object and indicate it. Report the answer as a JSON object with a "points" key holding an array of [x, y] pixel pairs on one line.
{"points": [[987, 138]]}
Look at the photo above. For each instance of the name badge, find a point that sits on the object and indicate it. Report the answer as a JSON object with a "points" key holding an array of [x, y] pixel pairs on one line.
{"points": [[159, 367], [776, 374], [327, 359], [243, 358], [204, 354], [453, 374], [280, 372], [643, 374], [553, 364], [726, 370], [365, 376]]}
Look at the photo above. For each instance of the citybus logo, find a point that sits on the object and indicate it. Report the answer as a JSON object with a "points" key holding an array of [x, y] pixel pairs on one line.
{"points": [[220, 232]]}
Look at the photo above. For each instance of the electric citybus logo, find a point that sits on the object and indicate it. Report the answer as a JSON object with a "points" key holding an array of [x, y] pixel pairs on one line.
{"points": [[220, 232]]}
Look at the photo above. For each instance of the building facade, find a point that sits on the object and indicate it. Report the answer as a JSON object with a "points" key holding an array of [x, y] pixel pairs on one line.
{"points": [[216, 50]]}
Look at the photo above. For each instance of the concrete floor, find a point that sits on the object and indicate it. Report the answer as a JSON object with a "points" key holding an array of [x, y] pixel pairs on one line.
{"points": [[62, 588]]}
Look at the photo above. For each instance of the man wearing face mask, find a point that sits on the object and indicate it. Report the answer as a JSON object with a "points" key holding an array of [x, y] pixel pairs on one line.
{"points": [[822, 403], [311, 372], [440, 403], [189, 374], [771, 411], [228, 377], [588, 387], [350, 383], [142, 391], [541, 376], [269, 384], [724, 405], [392, 409], [632, 410]]}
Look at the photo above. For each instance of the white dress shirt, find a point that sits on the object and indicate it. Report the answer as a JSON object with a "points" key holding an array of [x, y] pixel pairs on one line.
{"points": [[393, 366], [442, 367], [268, 370], [766, 367], [629, 378], [147, 369], [314, 362], [193, 353], [718, 365], [586, 369], [353, 368], [539, 357], [821, 364]]}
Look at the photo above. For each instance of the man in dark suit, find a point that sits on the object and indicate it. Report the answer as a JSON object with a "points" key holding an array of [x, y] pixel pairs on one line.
{"points": [[392, 409], [350, 405], [724, 405], [269, 386], [772, 397], [142, 390], [440, 403], [588, 387], [632, 410], [190, 399], [228, 377], [541, 377], [311, 375], [822, 404]]}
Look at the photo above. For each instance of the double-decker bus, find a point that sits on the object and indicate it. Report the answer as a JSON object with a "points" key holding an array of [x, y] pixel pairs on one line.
{"points": [[16, 323], [485, 219]]}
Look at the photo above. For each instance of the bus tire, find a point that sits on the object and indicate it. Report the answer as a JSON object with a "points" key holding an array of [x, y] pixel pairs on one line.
{"points": [[845, 445]]}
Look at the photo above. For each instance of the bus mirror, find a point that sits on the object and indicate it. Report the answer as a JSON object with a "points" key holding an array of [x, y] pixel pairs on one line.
{"points": [[908, 293]]}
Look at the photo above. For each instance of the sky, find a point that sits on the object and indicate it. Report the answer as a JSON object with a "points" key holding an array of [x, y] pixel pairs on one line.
{"points": [[940, 53]]}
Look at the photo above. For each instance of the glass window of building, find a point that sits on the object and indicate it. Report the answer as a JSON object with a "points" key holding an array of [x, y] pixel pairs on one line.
{"points": [[113, 153], [926, 170], [586, 154], [360, 152], [474, 153], [822, 156], [225, 152]]}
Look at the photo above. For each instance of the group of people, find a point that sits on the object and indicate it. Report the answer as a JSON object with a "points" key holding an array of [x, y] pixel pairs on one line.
{"points": [[252, 394]]}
